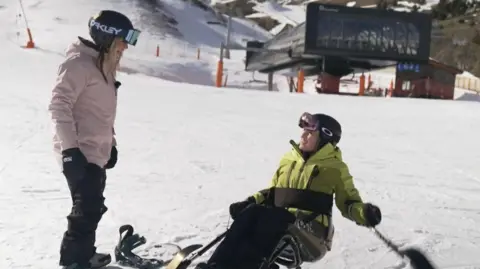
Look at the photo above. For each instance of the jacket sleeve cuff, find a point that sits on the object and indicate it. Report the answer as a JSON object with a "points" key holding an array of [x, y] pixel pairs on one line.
{"points": [[356, 213], [258, 198]]}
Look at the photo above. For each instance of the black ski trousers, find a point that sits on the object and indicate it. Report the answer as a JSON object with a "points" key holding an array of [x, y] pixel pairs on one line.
{"points": [[78, 244], [253, 236]]}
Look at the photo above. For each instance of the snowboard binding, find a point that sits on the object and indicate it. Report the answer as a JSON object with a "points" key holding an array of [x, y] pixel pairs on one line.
{"points": [[127, 243], [182, 258]]}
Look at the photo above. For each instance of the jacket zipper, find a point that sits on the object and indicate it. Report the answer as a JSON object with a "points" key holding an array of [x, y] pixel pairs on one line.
{"points": [[290, 173], [312, 175], [300, 173]]}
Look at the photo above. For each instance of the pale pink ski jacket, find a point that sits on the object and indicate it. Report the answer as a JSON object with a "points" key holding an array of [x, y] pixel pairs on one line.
{"points": [[83, 106]]}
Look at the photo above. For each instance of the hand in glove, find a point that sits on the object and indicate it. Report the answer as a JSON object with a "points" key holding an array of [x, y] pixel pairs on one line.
{"points": [[238, 207], [372, 214], [113, 158], [74, 163]]}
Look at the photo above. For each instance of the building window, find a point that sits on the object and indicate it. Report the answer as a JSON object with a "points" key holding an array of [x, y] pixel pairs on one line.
{"points": [[406, 85]]}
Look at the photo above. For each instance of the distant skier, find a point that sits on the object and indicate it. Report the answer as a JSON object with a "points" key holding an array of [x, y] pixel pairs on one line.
{"points": [[83, 108], [299, 202]]}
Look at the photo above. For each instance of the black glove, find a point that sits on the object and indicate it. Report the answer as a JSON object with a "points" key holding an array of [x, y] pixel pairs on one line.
{"points": [[74, 163], [113, 158], [373, 215], [238, 207]]}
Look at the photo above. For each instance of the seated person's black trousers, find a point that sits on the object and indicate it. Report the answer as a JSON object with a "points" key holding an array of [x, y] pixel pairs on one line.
{"points": [[253, 236]]}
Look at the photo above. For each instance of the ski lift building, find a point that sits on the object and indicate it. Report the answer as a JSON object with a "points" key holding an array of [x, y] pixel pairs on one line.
{"points": [[434, 80]]}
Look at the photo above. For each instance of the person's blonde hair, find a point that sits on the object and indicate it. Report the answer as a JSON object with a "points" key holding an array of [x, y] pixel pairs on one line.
{"points": [[109, 62]]}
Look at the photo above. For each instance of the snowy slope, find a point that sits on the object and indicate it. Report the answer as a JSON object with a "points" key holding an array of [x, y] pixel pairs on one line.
{"points": [[289, 14], [54, 26], [285, 12], [188, 151], [193, 23]]}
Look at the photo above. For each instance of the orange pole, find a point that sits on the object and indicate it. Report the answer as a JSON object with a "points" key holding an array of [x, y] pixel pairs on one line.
{"points": [[301, 79], [30, 44], [390, 89], [361, 90], [218, 82]]}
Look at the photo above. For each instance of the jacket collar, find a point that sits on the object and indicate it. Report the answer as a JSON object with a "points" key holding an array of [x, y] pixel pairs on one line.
{"points": [[326, 152]]}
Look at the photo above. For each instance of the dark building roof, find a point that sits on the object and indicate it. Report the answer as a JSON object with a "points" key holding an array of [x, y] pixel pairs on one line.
{"points": [[344, 38], [448, 68]]}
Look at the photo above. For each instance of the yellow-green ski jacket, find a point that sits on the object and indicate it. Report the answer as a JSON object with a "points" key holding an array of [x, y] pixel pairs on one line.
{"points": [[312, 185]]}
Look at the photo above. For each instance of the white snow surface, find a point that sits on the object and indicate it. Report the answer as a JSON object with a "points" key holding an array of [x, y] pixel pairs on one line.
{"points": [[289, 14], [186, 151], [294, 14]]}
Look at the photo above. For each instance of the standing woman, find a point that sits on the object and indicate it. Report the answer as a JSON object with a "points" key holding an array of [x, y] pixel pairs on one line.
{"points": [[83, 109]]}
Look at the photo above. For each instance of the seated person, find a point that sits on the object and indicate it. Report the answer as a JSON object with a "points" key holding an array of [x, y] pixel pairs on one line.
{"points": [[299, 202]]}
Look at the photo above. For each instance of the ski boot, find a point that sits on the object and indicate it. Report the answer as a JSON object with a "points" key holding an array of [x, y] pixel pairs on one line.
{"points": [[100, 260], [97, 261]]}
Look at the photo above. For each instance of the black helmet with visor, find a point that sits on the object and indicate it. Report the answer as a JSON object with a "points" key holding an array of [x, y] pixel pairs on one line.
{"points": [[109, 24], [329, 128]]}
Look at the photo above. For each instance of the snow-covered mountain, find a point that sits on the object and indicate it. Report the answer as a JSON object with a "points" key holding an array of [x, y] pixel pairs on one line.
{"points": [[292, 12], [182, 30]]}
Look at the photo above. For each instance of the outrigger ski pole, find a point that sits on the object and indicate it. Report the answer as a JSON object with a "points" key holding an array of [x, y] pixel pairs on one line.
{"points": [[416, 257]]}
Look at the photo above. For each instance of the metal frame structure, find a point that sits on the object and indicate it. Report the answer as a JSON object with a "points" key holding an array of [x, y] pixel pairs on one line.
{"points": [[339, 39]]}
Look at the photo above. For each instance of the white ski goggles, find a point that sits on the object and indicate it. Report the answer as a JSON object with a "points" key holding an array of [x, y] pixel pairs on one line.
{"points": [[132, 36]]}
